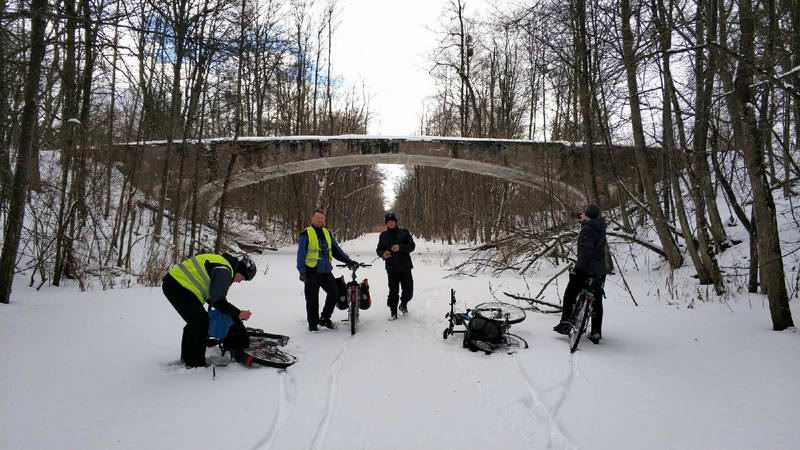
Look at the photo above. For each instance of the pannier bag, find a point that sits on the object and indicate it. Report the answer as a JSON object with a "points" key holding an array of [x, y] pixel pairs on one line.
{"points": [[364, 300], [341, 287], [480, 329]]}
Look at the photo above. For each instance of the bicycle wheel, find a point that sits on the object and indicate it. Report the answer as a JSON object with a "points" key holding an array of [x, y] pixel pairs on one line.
{"points": [[353, 311], [499, 312], [580, 319], [514, 342]]}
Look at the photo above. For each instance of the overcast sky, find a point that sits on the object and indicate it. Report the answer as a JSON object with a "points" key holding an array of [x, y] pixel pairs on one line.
{"points": [[385, 44]]}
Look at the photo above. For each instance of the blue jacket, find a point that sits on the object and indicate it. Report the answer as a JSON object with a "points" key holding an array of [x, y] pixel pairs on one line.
{"points": [[323, 265]]}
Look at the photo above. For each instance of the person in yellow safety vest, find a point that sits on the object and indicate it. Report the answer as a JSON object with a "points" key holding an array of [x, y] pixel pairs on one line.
{"points": [[196, 281], [316, 249]]}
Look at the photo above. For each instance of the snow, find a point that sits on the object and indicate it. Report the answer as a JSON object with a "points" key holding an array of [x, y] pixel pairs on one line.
{"points": [[97, 370], [74, 120]]}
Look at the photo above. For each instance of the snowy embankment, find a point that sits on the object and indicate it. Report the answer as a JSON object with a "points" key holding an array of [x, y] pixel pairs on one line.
{"points": [[96, 370]]}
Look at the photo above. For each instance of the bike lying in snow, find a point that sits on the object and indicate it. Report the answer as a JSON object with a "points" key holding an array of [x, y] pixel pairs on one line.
{"points": [[248, 346], [486, 326]]}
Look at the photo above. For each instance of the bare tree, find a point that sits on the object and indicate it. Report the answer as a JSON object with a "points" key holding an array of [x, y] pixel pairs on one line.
{"points": [[16, 214]]}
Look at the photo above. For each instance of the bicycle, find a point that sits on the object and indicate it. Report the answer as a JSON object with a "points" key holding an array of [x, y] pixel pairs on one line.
{"points": [[353, 296], [581, 313], [503, 315]]}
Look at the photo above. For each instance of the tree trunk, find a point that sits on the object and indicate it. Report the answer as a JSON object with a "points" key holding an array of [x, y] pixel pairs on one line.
{"points": [[769, 250], [69, 113], [675, 162], [16, 213], [642, 160], [222, 201]]}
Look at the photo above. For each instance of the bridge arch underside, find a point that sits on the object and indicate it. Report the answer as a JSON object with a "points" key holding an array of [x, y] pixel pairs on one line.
{"points": [[570, 197]]}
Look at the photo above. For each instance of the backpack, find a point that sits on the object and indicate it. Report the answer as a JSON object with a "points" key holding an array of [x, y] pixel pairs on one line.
{"points": [[480, 330]]}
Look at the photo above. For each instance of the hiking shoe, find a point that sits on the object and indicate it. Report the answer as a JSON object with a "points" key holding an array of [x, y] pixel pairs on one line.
{"points": [[327, 323], [392, 317], [595, 337], [562, 328], [404, 308], [313, 328]]}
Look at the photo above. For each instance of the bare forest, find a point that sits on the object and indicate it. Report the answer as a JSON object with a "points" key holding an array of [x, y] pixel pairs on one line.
{"points": [[715, 84], [77, 76]]}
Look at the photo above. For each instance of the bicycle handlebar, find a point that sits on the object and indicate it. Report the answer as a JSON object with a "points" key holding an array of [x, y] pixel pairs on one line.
{"points": [[357, 265]]}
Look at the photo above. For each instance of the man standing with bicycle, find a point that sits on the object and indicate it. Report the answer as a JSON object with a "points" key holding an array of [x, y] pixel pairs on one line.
{"points": [[316, 249], [590, 264], [395, 246]]}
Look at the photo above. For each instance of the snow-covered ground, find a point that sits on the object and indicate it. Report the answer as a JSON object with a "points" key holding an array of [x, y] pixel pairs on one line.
{"points": [[96, 370]]}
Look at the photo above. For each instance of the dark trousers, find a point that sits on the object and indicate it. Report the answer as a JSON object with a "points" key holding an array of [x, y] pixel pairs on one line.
{"points": [[574, 286], [396, 281], [314, 281], [195, 333]]}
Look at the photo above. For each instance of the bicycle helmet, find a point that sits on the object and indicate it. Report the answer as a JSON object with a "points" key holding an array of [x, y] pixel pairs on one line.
{"points": [[246, 267], [390, 215]]}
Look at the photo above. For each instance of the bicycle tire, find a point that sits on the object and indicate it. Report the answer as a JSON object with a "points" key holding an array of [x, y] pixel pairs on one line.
{"points": [[514, 342], [269, 355], [579, 320], [353, 310], [498, 311]]}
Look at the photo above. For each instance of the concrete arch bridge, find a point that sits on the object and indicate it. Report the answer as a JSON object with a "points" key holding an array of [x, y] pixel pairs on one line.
{"points": [[559, 168]]}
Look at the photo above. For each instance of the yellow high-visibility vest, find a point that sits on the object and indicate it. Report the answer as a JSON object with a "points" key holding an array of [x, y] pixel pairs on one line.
{"points": [[312, 254], [192, 274]]}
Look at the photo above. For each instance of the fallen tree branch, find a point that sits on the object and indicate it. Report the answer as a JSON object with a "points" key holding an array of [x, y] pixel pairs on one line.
{"points": [[635, 240], [533, 300], [624, 281]]}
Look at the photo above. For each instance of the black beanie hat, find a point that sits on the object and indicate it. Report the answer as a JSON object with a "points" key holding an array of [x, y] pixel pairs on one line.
{"points": [[389, 216], [592, 211]]}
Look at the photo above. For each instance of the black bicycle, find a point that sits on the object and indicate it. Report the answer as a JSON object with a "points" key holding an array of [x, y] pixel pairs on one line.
{"points": [[501, 315], [354, 296], [581, 313]]}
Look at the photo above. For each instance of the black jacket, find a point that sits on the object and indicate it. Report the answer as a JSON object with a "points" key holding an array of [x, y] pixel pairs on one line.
{"points": [[220, 282], [592, 247], [400, 260]]}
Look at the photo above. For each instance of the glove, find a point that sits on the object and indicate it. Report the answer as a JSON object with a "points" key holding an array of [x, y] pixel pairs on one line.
{"points": [[303, 277]]}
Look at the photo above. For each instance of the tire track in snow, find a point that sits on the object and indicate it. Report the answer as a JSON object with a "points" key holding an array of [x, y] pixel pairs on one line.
{"points": [[496, 416], [287, 395], [333, 388], [558, 436]]}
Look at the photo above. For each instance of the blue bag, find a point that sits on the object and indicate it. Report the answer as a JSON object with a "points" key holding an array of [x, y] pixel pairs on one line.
{"points": [[219, 324]]}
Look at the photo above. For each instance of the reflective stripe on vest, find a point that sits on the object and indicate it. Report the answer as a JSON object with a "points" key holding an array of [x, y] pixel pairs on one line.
{"points": [[312, 254], [192, 274]]}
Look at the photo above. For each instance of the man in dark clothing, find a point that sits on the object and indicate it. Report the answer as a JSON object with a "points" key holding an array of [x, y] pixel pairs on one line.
{"points": [[395, 246], [590, 264], [199, 280], [316, 249]]}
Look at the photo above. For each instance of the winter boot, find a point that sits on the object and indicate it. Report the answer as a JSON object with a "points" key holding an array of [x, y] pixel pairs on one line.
{"points": [[404, 308], [327, 323], [595, 337], [562, 328]]}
